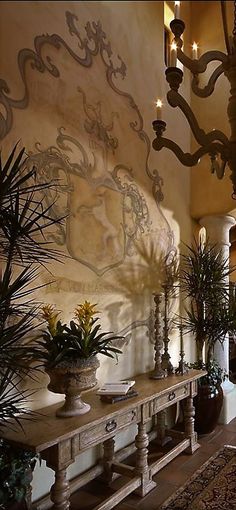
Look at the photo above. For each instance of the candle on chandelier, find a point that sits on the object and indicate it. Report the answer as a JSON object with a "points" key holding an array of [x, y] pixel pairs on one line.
{"points": [[159, 108], [173, 54], [195, 51], [177, 10]]}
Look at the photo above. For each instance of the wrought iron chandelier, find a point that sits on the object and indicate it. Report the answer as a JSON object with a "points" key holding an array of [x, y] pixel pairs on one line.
{"points": [[220, 148]]}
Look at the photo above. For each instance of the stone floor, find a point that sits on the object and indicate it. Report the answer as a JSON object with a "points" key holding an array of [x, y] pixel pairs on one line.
{"points": [[168, 479]]}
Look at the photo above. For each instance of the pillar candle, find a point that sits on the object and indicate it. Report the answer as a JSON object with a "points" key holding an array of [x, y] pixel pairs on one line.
{"points": [[158, 108], [177, 10], [195, 51], [173, 54], [181, 338]]}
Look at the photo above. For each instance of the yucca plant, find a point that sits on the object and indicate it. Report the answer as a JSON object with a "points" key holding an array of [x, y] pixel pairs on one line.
{"points": [[23, 250], [81, 339], [209, 314]]}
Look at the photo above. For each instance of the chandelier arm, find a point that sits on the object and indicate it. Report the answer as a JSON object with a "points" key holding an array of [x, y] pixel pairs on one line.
{"points": [[210, 87], [175, 99], [199, 66], [186, 158]]}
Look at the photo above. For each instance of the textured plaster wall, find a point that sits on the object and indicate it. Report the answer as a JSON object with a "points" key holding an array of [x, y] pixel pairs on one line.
{"points": [[208, 194], [84, 112]]}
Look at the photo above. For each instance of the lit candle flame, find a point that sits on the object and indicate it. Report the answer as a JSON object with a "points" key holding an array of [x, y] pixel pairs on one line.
{"points": [[195, 50], [173, 46], [159, 109], [173, 54]]}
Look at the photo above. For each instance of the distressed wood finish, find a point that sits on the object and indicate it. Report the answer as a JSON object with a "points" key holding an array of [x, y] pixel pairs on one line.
{"points": [[60, 439], [189, 413], [108, 456]]}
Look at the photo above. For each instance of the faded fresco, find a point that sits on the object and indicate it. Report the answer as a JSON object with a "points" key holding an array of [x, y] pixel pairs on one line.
{"points": [[89, 136]]}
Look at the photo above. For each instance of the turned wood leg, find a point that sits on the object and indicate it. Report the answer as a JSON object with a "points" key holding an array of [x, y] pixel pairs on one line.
{"points": [[189, 413], [60, 491], [161, 439], [141, 466], [108, 456]]}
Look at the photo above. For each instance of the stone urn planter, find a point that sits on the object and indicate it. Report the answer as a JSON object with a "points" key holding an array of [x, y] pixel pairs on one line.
{"points": [[71, 378]]}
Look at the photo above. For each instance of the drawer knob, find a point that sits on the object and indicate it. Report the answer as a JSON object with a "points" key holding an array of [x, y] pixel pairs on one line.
{"points": [[171, 396], [110, 426]]}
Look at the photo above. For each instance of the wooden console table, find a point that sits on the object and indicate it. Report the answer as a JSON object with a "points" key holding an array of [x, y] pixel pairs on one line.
{"points": [[60, 440]]}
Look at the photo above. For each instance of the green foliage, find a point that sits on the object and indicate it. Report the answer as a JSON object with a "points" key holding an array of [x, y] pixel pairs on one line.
{"points": [[215, 374], [23, 249], [209, 314], [82, 338], [15, 465]]}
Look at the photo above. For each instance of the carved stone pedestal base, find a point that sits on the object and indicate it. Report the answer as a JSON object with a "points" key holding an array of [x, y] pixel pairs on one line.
{"points": [[73, 406]]}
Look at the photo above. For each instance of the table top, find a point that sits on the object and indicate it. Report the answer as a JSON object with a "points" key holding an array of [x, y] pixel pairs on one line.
{"points": [[45, 429]]}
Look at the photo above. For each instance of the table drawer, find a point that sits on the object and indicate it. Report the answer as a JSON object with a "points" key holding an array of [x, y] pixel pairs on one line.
{"points": [[107, 428], [170, 398]]}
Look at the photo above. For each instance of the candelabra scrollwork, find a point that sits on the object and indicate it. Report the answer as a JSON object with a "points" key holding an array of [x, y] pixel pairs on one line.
{"points": [[220, 148]]}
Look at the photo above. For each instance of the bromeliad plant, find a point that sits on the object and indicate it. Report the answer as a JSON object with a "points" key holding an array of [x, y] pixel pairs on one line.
{"points": [[81, 339]]}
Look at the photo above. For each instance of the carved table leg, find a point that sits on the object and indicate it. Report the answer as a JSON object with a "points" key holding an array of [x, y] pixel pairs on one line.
{"points": [[141, 467], [59, 457], [161, 439], [189, 413], [108, 455], [60, 491]]}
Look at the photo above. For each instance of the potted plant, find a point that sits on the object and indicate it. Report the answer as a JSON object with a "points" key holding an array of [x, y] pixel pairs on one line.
{"points": [[209, 316], [16, 466], [69, 354], [23, 249]]}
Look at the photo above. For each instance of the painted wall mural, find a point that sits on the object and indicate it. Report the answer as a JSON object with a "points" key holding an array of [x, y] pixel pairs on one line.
{"points": [[90, 135]]}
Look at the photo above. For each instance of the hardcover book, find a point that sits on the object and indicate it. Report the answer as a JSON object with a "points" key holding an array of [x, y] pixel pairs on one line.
{"points": [[116, 388]]}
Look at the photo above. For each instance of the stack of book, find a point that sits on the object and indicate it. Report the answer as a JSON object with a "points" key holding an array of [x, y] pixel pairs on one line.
{"points": [[115, 391]]}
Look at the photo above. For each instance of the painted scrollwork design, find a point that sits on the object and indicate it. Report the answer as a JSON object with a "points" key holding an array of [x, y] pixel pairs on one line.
{"points": [[86, 49]]}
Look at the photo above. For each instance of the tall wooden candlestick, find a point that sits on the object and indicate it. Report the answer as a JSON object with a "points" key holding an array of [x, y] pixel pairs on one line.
{"points": [[166, 363], [182, 368], [158, 372]]}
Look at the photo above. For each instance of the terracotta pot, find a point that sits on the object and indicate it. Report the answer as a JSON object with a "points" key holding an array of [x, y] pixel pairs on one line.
{"points": [[208, 404], [71, 378]]}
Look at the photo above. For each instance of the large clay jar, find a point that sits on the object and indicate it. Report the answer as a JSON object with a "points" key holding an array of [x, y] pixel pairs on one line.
{"points": [[208, 404], [71, 378]]}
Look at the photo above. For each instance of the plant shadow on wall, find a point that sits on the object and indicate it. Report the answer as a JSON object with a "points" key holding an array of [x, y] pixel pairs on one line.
{"points": [[210, 314], [151, 272], [23, 252]]}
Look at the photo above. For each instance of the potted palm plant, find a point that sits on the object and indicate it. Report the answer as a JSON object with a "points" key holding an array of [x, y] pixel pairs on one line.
{"points": [[23, 249], [209, 315], [69, 354]]}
